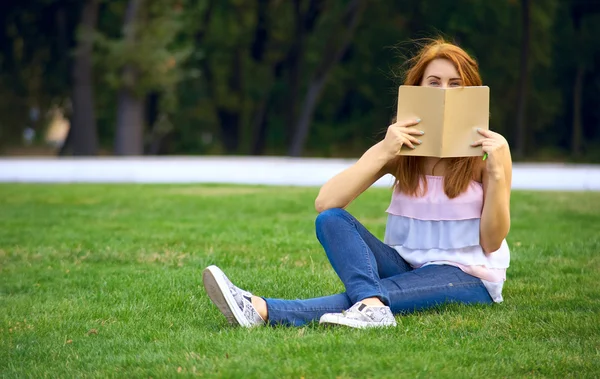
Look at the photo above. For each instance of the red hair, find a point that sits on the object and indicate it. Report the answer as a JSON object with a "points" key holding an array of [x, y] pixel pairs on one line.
{"points": [[460, 171]]}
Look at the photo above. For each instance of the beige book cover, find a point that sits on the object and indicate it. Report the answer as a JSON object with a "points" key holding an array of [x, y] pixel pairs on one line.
{"points": [[449, 117]]}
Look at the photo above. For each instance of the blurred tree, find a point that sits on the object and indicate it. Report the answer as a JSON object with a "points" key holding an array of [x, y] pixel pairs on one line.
{"points": [[306, 16], [300, 77], [223, 40], [581, 10], [35, 38], [82, 138], [576, 139], [145, 59], [520, 140], [337, 44], [130, 105]]}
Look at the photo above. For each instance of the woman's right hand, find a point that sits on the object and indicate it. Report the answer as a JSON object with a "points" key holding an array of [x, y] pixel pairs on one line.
{"points": [[402, 133]]}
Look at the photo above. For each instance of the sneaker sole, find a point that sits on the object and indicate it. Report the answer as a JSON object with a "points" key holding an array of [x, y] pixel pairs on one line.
{"points": [[219, 294], [333, 320]]}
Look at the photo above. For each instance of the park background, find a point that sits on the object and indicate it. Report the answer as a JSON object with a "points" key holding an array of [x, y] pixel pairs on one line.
{"points": [[287, 78], [142, 141]]}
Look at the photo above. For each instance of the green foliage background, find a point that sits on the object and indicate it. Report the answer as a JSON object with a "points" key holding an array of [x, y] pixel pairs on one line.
{"points": [[198, 62]]}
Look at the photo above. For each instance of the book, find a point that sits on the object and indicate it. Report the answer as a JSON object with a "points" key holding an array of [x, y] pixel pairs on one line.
{"points": [[449, 117]]}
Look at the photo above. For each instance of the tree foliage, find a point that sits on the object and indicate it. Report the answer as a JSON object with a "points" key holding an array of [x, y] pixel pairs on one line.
{"points": [[299, 77]]}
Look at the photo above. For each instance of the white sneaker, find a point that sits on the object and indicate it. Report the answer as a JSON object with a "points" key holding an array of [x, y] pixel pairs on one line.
{"points": [[361, 316], [233, 302]]}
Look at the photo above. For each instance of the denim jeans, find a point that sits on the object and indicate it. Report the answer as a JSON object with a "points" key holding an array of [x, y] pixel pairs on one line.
{"points": [[369, 268]]}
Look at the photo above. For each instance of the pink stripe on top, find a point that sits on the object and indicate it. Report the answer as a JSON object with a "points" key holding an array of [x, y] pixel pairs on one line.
{"points": [[436, 206]]}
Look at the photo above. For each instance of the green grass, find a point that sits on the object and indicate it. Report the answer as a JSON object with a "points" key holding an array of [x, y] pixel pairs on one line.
{"points": [[105, 281]]}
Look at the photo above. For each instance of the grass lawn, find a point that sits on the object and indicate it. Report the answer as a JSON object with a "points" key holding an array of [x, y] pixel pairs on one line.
{"points": [[105, 281]]}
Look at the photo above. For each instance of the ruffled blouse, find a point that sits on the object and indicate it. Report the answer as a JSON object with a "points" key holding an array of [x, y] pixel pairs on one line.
{"points": [[434, 229]]}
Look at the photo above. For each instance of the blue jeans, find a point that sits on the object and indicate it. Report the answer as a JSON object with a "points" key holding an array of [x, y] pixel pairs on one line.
{"points": [[369, 268]]}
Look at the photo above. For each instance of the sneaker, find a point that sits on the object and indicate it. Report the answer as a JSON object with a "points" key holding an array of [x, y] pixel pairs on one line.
{"points": [[233, 302], [361, 316]]}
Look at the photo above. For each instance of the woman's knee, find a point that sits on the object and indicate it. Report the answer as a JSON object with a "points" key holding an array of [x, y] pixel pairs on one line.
{"points": [[331, 220], [331, 217]]}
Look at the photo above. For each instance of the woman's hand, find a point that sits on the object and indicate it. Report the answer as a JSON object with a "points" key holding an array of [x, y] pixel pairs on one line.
{"points": [[401, 133], [498, 152]]}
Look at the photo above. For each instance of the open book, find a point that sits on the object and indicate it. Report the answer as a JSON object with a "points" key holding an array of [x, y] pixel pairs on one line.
{"points": [[449, 117]]}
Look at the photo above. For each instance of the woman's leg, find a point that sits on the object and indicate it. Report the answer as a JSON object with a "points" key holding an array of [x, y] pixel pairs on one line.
{"points": [[433, 285], [416, 290], [412, 291], [300, 312], [242, 308], [360, 259]]}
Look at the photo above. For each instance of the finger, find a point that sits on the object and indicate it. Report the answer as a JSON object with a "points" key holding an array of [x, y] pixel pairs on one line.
{"points": [[479, 142], [413, 131], [485, 132], [414, 140], [408, 123], [488, 148], [408, 143], [484, 142]]}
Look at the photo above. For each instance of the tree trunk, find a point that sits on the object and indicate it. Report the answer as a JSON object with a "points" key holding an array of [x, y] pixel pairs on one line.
{"points": [[521, 134], [231, 119], [303, 125], [130, 121], [259, 126], [577, 128], [130, 107], [83, 134], [296, 56], [331, 56], [577, 132], [230, 129], [152, 117], [304, 23]]}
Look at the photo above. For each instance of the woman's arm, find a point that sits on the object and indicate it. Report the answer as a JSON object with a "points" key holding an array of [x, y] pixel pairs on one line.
{"points": [[496, 179], [346, 186], [340, 190]]}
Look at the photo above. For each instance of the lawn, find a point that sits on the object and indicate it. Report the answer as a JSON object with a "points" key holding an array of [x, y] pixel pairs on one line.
{"points": [[105, 281]]}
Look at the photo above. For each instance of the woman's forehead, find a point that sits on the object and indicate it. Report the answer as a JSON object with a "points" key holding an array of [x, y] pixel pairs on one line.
{"points": [[441, 67]]}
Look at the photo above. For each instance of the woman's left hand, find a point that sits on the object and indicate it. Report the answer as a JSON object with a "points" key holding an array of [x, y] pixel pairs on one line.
{"points": [[498, 153]]}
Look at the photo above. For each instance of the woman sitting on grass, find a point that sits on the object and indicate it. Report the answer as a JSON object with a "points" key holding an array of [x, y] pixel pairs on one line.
{"points": [[445, 234]]}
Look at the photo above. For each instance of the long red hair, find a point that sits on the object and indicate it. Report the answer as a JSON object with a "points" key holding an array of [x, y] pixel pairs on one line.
{"points": [[410, 170]]}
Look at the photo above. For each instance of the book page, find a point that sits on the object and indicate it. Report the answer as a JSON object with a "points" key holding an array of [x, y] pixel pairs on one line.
{"points": [[466, 109], [426, 103]]}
